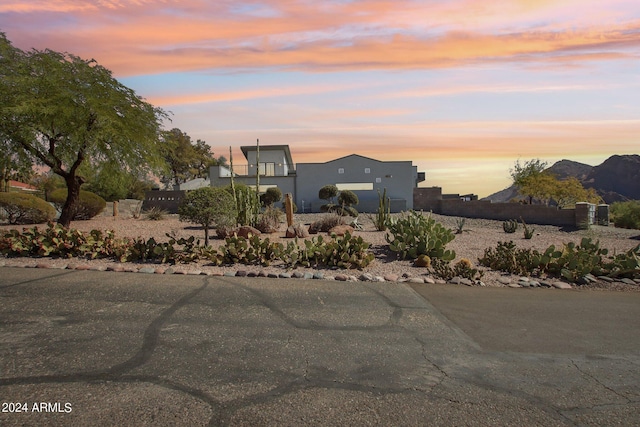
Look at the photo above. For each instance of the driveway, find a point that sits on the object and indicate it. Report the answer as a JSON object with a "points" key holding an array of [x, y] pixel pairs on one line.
{"points": [[104, 348]]}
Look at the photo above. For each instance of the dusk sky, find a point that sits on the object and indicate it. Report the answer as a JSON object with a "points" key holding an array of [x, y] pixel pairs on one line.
{"points": [[463, 88]]}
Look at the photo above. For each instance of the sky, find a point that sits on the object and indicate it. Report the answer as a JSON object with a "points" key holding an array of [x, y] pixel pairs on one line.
{"points": [[462, 88]]}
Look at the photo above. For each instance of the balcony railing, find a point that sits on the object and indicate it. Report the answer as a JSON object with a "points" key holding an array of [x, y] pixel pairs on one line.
{"points": [[268, 169]]}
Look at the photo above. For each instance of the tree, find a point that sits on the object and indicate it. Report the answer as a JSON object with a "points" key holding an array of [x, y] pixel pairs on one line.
{"points": [[524, 176], [348, 198], [271, 196], [66, 112], [210, 207], [186, 160], [570, 191], [328, 192]]}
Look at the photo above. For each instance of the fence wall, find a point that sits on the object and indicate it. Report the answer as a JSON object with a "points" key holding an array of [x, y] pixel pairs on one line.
{"points": [[430, 199]]}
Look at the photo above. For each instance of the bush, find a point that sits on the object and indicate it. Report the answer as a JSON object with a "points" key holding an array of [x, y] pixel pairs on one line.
{"points": [[326, 223], [210, 207], [89, 204], [155, 214], [626, 214], [271, 196], [328, 192], [270, 219], [348, 198], [24, 208]]}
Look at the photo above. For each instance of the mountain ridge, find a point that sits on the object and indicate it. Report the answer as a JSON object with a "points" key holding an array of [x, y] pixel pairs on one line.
{"points": [[615, 179]]}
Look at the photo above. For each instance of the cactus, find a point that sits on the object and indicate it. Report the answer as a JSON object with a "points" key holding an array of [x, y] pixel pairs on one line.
{"points": [[510, 226], [416, 234], [383, 216]]}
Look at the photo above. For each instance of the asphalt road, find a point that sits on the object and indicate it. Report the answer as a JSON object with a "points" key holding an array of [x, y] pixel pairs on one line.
{"points": [[98, 348]]}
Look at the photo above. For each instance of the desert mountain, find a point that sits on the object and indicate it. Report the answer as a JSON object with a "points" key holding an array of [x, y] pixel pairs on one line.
{"points": [[616, 179]]}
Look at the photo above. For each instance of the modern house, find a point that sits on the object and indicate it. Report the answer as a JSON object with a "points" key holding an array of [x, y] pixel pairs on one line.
{"points": [[362, 175]]}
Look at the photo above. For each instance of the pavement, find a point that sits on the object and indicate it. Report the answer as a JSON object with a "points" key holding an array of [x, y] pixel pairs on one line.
{"points": [[103, 348]]}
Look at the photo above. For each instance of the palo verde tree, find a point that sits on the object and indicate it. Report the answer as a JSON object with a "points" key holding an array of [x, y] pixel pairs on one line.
{"points": [[66, 112], [529, 176]]}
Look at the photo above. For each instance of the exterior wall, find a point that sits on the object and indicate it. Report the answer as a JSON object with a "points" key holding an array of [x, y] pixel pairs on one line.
{"points": [[165, 200], [286, 184], [277, 157], [399, 178], [430, 199]]}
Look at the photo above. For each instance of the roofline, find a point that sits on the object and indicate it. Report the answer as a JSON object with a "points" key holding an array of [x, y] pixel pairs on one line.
{"points": [[287, 152]]}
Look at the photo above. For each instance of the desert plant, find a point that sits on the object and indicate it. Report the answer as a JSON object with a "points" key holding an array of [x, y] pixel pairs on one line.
{"points": [[460, 225], [506, 257], [155, 214], [528, 232], [415, 234], [88, 206], [510, 226], [626, 214], [247, 205], [326, 223], [269, 221], [208, 206], [463, 268], [23, 208], [383, 215]]}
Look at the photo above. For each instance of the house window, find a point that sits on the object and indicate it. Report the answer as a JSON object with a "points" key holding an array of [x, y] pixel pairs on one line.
{"points": [[367, 170], [267, 169], [378, 180], [340, 170], [355, 186]]}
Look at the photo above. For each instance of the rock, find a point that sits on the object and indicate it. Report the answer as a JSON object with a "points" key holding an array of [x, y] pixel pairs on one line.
{"points": [[229, 274], [272, 276], [606, 279], [318, 275], [429, 280], [561, 285], [342, 277], [147, 270], [285, 275], [341, 230], [246, 230], [296, 230], [98, 268], [514, 285], [628, 281], [298, 274], [415, 280], [546, 284], [391, 277], [167, 271], [241, 273], [378, 279], [366, 277], [307, 276], [504, 280]]}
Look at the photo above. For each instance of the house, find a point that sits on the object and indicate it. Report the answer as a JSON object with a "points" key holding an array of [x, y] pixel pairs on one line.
{"points": [[362, 175]]}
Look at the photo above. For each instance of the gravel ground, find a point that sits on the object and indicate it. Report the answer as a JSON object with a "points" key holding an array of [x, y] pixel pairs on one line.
{"points": [[478, 235]]}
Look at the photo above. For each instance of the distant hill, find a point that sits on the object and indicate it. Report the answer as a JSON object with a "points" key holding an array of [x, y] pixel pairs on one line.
{"points": [[616, 179]]}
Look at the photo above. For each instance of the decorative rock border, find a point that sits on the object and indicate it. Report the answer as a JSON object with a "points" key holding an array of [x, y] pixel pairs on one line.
{"points": [[505, 281]]}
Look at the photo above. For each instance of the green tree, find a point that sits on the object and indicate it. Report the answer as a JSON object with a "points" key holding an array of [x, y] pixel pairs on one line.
{"points": [[13, 166], [328, 192], [271, 196], [66, 112], [348, 198], [526, 175], [185, 159], [569, 191], [210, 207]]}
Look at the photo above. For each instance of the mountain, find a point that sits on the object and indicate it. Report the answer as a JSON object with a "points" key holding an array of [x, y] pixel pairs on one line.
{"points": [[616, 179]]}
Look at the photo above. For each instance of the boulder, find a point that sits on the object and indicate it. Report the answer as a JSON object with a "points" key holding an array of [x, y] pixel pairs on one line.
{"points": [[296, 230], [341, 230]]}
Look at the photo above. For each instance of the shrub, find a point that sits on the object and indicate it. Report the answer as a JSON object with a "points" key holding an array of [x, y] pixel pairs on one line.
{"points": [[155, 214], [326, 223], [415, 234], [88, 206], [208, 206], [383, 216], [270, 219], [348, 198], [271, 196], [328, 192], [626, 214], [24, 208], [247, 205]]}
